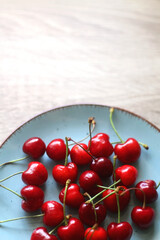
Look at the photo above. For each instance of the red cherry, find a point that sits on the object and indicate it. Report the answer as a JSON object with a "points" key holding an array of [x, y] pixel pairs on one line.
{"points": [[36, 174], [100, 145], [62, 173], [128, 152], [119, 231], [56, 149], [149, 189], [34, 147], [143, 217], [89, 180], [111, 201], [87, 214], [53, 213], [73, 197], [97, 233], [41, 233], [127, 173], [79, 156], [74, 230], [102, 166], [33, 198]]}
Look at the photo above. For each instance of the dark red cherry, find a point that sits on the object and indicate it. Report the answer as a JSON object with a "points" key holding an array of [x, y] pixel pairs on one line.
{"points": [[89, 180], [102, 166], [41, 233], [128, 152], [87, 214], [147, 187], [56, 149], [79, 156], [111, 201], [143, 217], [100, 145], [95, 233], [127, 174], [34, 147], [33, 198], [36, 174], [119, 231]]}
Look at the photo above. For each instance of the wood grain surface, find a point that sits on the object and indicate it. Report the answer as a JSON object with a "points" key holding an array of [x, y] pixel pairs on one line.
{"points": [[59, 52]]}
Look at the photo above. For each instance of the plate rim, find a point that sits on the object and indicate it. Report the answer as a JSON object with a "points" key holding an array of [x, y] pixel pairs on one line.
{"points": [[76, 105]]}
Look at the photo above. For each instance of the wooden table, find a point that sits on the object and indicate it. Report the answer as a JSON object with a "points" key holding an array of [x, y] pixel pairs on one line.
{"points": [[59, 52]]}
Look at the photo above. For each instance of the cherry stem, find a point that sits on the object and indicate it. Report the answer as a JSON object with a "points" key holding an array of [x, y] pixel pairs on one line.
{"points": [[14, 174], [64, 200], [111, 121], [90, 132], [105, 188], [24, 217], [54, 229], [114, 167], [66, 158], [93, 205], [115, 191], [70, 139], [157, 185], [94, 125], [118, 207], [13, 161], [11, 191], [144, 145]]}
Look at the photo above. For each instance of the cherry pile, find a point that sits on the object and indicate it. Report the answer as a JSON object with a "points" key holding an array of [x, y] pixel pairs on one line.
{"points": [[85, 191]]}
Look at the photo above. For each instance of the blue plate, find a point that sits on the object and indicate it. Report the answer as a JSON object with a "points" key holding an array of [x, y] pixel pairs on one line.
{"points": [[72, 121]]}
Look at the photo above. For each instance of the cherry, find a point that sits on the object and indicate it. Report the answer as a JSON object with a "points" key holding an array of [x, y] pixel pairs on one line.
{"points": [[33, 198], [74, 197], [79, 156], [41, 233], [127, 174], [53, 213], [110, 201], [119, 231], [128, 152], [56, 149], [34, 147], [89, 180], [143, 217], [102, 166], [100, 145], [87, 213], [150, 190], [73, 230], [36, 174], [95, 233]]}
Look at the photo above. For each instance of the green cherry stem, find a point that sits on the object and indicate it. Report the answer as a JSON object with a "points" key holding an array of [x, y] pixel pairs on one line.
{"points": [[64, 201], [158, 185], [115, 191], [118, 207], [93, 205], [66, 158], [14, 174], [54, 229], [11, 191], [24, 217], [111, 121], [13, 161]]}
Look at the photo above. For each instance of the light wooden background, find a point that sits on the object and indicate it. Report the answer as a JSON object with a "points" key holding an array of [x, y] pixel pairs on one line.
{"points": [[58, 52]]}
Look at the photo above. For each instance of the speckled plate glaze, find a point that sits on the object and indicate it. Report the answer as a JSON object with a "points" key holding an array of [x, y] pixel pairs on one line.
{"points": [[72, 121]]}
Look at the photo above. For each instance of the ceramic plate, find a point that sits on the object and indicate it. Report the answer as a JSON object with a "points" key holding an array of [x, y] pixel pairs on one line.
{"points": [[72, 121]]}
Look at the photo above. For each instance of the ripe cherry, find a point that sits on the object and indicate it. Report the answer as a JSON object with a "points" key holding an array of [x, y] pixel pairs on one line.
{"points": [[74, 198], [89, 180], [87, 213], [110, 202], [95, 233], [127, 174], [79, 156], [34, 147], [143, 217], [33, 198], [102, 166], [41, 233], [73, 230], [149, 188], [100, 145], [36, 174], [56, 149], [119, 231]]}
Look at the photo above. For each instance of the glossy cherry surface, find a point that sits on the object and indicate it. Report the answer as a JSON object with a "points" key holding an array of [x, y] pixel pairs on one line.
{"points": [[143, 217], [119, 231], [56, 149], [41, 233], [127, 173], [98, 233], [34, 147], [148, 188], [36, 174], [79, 156], [102, 166], [33, 198], [128, 152]]}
